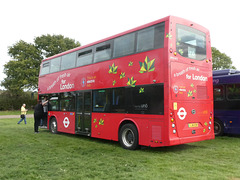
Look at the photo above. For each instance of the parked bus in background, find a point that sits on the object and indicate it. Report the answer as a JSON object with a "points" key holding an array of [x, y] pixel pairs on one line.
{"points": [[149, 86], [226, 88]]}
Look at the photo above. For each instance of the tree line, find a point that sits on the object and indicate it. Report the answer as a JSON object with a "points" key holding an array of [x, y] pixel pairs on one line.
{"points": [[22, 71]]}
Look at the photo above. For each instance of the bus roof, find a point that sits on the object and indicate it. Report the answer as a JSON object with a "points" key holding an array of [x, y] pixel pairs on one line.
{"points": [[227, 76], [120, 34], [225, 72]]}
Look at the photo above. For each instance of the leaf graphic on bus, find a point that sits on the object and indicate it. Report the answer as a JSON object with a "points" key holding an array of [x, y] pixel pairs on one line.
{"points": [[130, 63], [180, 51], [169, 36], [190, 93], [122, 75], [94, 120], [101, 122], [131, 82], [113, 69], [141, 90], [114, 82], [147, 66]]}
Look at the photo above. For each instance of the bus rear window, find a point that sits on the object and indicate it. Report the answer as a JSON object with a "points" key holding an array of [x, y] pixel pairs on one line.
{"points": [[191, 43]]}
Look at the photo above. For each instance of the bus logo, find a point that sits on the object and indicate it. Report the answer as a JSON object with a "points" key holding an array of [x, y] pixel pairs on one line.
{"points": [[66, 122], [182, 113], [83, 82]]}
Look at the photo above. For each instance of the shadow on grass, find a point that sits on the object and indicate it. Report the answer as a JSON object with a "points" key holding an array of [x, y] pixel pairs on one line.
{"points": [[176, 148]]}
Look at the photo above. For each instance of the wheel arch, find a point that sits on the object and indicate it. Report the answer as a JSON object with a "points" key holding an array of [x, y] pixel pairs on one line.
{"points": [[128, 121]]}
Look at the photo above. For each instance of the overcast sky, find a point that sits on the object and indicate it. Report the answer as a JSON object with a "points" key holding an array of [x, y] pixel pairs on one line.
{"points": [[87, 21]]}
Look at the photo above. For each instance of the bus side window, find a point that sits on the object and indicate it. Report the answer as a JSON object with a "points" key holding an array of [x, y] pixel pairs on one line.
{"points": [[101, 100], [45, 68], [103, 52], [55, 65], [233, 91], [84, 57], [68, 61], [218, 93]]}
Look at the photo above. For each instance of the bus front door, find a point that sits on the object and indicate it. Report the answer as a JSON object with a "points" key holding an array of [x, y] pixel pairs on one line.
{"points": [[83, 112]]}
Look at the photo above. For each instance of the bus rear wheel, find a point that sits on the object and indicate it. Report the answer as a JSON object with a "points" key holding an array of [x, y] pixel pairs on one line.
{"points": [[218, 127], [128, 137], [53, 126]]}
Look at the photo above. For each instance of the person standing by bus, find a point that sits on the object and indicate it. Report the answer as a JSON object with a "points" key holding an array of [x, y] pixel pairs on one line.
{"points": [[38, 114], [23, 114], [45, 112]]}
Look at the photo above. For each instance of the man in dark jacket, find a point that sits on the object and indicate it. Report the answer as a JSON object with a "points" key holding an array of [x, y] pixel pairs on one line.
{"points": [[38, 114]]}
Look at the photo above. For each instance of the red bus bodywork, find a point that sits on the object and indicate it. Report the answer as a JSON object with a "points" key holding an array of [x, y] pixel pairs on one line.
{"points": [[188, 98]]}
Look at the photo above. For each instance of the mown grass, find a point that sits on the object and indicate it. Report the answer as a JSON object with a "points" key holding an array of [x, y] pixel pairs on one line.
{"points": [[25, 155], [16, 112]]}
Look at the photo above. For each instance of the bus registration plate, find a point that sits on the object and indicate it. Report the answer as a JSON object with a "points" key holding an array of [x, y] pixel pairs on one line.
{"points": [[192, 125]]}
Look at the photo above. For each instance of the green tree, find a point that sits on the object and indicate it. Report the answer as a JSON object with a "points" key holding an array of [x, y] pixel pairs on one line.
{"points": [[221, 60], [22, 72]]}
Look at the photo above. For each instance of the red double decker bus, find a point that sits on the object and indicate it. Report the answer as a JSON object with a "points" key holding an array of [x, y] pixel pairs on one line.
{"points": [[149, 86]]}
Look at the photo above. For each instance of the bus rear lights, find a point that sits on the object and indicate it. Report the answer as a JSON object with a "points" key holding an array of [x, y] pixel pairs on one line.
{"points": [[172, 120], [173, 125], [210, 117], [171, 114], [209, 128], [174, 131], [171, 50], [175, 53], [210, 122], [207, 61]]}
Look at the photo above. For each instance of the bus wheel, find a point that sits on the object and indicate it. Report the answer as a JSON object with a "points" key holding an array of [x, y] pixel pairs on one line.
{"points": [[218, 127], [128, 137], [53, 126]]}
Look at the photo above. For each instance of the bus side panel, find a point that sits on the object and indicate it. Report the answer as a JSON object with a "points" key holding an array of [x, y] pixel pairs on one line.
{"points": [[105, 125], [230, 119], [150, 127], [65, 121]]}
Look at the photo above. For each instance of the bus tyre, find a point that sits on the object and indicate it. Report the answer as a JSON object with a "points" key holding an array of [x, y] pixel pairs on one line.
{"points": [[218, 127], [53, 126], [128, 137]]}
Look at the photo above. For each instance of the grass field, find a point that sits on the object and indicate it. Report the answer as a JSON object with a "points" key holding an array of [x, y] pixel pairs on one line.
{"points": [[14, 112], [25, 155]]}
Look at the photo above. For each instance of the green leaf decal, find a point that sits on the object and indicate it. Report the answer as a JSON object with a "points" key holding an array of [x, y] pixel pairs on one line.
{"points": [[101, 122], [141, 90], [113, 69], [169, 36], [147, 66], [122, 75], [131, 82], [130, 63]]}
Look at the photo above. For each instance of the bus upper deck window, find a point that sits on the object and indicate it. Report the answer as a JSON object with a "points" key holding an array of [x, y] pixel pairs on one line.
{"points": [[190, 43]]}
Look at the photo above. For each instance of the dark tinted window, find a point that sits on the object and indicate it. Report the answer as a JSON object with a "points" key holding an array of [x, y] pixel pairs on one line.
{"points": [[53, 104], [233, 91], [101, 100], [137, 100], [218, 93], [67, 102], [146, 100]]}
